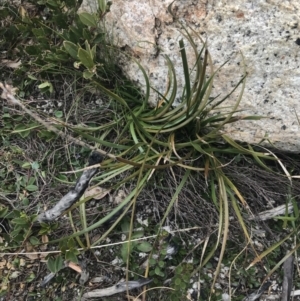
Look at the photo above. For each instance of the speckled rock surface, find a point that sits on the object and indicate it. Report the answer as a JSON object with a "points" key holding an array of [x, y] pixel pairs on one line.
{"points": [[267, 32]]}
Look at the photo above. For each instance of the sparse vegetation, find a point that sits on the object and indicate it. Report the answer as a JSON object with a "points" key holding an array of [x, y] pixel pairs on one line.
{"points": [[174, 193]]}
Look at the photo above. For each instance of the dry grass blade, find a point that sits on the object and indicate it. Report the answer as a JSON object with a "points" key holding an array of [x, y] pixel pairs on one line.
{"points": [[225, 226]]}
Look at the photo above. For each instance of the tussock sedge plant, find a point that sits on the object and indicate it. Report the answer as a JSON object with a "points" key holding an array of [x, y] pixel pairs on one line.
{"points": [[143, 140]]}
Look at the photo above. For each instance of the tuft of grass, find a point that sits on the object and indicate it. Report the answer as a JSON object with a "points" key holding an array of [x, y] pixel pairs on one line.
{"points": [[168, 149]]}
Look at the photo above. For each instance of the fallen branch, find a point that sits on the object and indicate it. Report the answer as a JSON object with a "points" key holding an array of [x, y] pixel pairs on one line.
{"points": [[268, 214], [115, 289], [288, 269], [257, 294], [75, 193]]}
